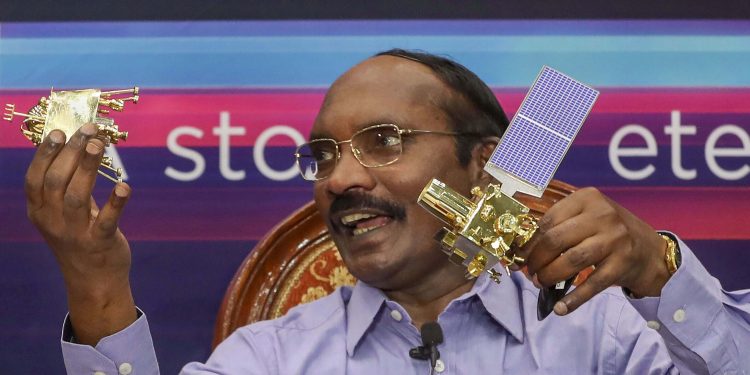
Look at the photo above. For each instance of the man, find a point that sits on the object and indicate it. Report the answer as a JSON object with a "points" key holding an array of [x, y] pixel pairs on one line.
{"points": [[387, 127]]}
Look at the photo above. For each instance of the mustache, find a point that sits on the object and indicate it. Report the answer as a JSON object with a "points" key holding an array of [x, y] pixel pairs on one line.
{"points": [[360, 200]]}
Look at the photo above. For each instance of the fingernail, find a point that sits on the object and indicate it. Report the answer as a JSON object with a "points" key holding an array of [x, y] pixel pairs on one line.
{"points": [[88, 129], [93, 148], [561, 308], [120, 191], [56, 137]]}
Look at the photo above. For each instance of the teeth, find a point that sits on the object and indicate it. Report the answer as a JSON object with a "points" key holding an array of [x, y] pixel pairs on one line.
{"points": [[348, 219], [359, 231]]}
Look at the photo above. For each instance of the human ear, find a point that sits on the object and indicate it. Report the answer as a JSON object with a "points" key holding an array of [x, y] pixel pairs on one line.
{"points": [[479, 156]]}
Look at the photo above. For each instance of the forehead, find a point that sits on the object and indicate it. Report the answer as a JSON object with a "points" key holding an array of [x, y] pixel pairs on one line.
{"points": [[383, 89]]}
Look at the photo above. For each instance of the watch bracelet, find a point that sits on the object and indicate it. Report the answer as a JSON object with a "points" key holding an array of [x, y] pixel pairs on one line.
{"points": [[670, 255]]}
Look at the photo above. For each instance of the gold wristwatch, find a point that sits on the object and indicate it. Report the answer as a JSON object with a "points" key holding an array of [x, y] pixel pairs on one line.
{"points": [[672, 255]]}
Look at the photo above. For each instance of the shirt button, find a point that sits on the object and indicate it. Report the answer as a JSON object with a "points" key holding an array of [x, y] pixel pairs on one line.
{"points": [[679, 316], [653, 324], [439, 365], [125, 368], [396, 315]]}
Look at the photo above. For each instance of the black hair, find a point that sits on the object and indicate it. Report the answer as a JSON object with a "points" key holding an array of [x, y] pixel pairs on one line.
{"points": [[479, 114]]}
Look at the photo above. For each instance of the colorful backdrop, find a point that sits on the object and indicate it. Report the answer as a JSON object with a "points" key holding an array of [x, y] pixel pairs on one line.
{"points": [[224, 102]]}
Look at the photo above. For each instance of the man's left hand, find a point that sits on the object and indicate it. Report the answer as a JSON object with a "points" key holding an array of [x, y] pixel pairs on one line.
{"points": [[588, 229]]}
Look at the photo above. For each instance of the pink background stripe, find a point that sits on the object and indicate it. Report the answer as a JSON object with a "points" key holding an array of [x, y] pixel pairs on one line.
{"points": [[159, 113]]}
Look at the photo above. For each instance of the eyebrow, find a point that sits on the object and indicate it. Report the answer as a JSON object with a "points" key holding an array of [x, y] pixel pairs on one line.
{"points": [[314, 136], [379, 121]]}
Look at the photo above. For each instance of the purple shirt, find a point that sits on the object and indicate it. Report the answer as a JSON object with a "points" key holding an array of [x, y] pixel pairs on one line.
{"points": [[694, 327]]}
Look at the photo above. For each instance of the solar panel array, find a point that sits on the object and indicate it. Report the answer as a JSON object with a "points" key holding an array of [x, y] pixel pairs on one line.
{"points": [[544, 127]]}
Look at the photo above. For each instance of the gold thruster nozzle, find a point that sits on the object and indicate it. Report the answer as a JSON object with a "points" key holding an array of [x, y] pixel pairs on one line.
{"points": [[69, 110], [481, 230]]}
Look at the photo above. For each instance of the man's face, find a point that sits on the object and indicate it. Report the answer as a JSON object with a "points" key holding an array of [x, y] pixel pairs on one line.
{"points": [[383, 235]]}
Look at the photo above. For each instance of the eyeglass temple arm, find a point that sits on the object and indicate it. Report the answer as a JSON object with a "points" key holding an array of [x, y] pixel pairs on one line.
{"points": [[409, 131]]}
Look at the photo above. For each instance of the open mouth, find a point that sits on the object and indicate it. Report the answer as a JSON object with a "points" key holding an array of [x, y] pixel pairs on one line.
{"points": [[359, 223]]}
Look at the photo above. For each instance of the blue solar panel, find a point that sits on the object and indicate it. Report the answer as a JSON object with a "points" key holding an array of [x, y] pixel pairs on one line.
{"points": [[542, 130]]}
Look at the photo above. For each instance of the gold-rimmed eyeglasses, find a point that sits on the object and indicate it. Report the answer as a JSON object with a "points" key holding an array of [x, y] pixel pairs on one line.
{"points": [[374, 146]]}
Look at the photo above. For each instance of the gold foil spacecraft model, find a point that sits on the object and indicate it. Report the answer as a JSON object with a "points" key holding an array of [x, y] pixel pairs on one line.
{"points": [[69, 110], [480, 231]]}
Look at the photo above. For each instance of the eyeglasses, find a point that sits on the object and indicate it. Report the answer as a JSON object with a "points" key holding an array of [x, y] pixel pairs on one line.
{"points": [[374, 146]]}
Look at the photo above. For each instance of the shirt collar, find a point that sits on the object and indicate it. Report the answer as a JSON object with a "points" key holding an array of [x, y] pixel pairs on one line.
{"points": [[363, 305], [501, 301]]}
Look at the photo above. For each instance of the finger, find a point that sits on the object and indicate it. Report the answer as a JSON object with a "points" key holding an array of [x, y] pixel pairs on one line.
{"points": [[587, 253], [45, 154], [561, 211], [602, 278], [94, 208], [65, 164], [566, 208], [106, 223], [557, 240], [76, 209]]}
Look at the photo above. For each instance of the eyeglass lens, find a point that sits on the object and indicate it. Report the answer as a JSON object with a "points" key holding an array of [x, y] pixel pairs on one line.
{"points": [[375, 146]]}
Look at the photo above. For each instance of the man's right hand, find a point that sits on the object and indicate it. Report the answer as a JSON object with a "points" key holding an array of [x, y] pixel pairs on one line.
{"points": [[93, 254]]}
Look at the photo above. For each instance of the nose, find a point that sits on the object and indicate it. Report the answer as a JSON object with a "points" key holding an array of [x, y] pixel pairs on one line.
{"points": [[349, 174]]}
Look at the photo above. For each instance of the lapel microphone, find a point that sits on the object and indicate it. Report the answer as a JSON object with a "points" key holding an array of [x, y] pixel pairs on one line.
{"points": [[432, 336]]}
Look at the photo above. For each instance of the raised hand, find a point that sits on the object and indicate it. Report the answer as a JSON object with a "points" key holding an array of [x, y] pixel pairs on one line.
{"points": [[588, 229], [92, 252]]}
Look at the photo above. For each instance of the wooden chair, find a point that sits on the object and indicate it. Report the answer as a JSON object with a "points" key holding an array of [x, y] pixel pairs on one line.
{"points": [[298, 262]]}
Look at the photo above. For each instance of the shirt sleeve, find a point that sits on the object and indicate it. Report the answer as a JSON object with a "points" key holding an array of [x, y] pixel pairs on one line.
{"points": [[634, 348], [130, 351], [702, 325]]}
